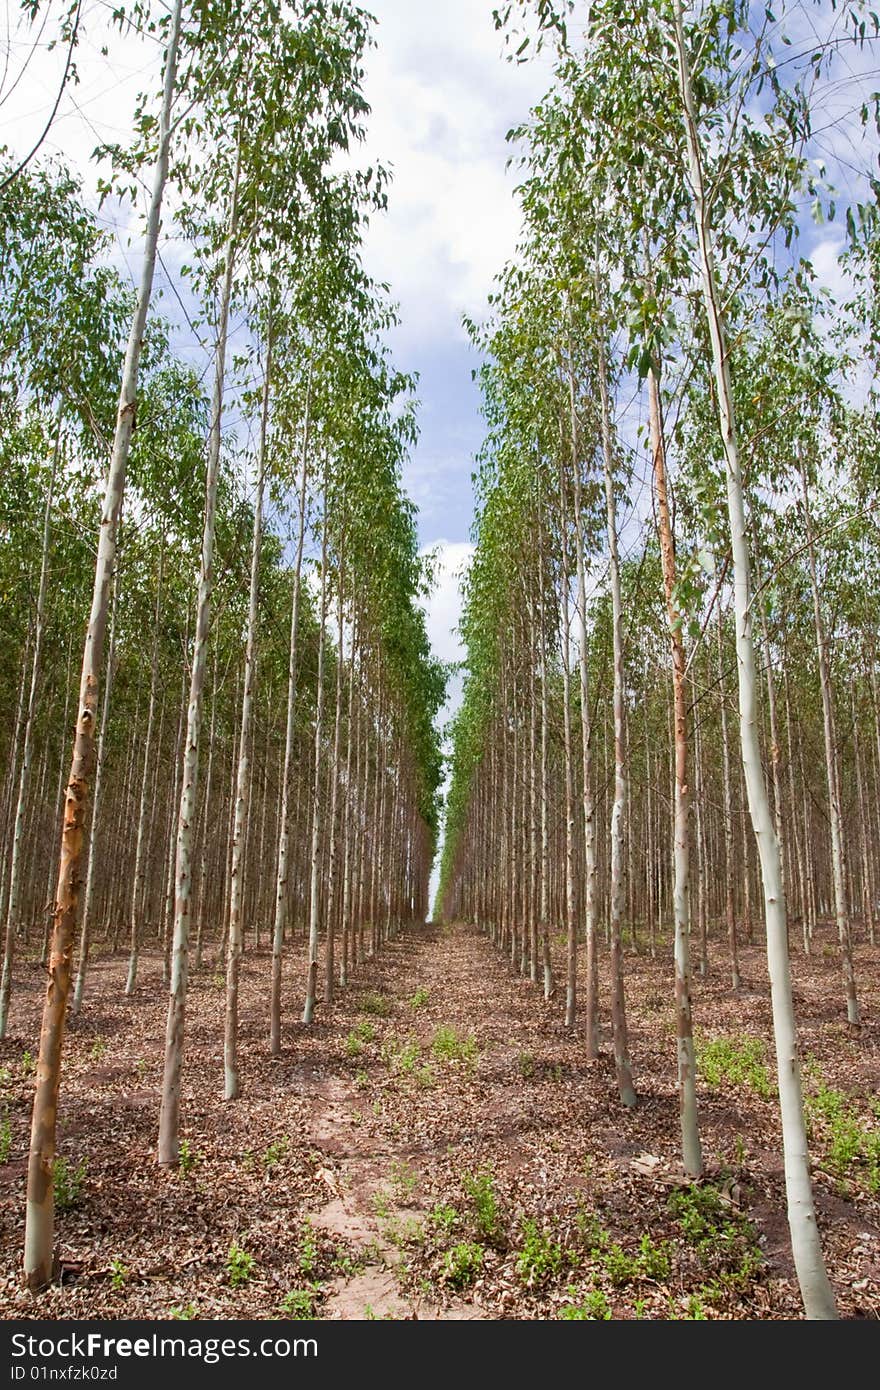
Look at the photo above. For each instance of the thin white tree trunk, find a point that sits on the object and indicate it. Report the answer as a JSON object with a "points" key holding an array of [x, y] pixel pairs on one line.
{"points": [[85, 936], [283, 867], [315, 859], [12, 902], [622, 1064], [137, 891], [231, 1077], [832, 775], [806, 1247], [692, 1154], [169, 1115]]}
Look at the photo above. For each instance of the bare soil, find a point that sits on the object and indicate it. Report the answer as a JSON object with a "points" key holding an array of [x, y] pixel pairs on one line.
{"points": [[437, 1146]]}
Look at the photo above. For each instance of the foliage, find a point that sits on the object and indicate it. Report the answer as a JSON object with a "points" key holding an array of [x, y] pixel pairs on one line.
{"points": [[239, 1265], [741, 1061], [67, 1183]]}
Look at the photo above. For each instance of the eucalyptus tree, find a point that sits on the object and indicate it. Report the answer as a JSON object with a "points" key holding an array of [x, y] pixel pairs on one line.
{"points": [[772, 205], [291, 99], [39, 1228]]}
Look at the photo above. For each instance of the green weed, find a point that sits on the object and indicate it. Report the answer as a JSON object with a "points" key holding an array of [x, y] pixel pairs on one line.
{"points": [[540, 1258], [188, 1158], [447, 1045], [118, 1275], [239, 1265], [275, 1152], [184, 1314], [741, 1060], [852, 1147], [526, 1062], [463, 1264], [404, 1180], [594, 1307], [480, 1188], [443, 1217], [376, 1004], [67, 1182], [420, 998], [5, 1137], [301, 1304]]}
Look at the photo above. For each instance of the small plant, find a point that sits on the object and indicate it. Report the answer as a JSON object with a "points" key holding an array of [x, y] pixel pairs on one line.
{"points": [[308, 1250], [28, 1065], [187, 1158], [184, 1314], [620, 1266], [404, 1180], [480, 1187], [118, 1275], [301, 1304], [425, 1076], [275, 1152], [362, 1080], [594, 1307], [420, 998], [67, 1183], [98, 1048], [381, 1201], [694, 1310], [363, 1032], [725, 1240], [446, 1044], [376, 1004], [463, 1264], [402, 1058], [742, 1061], [526, 1062], [140, 1067], [852, 1147], [5, 1137], [653, 1260], [443, 1217], [239, 1265], [219, 980], [540, 1257]]}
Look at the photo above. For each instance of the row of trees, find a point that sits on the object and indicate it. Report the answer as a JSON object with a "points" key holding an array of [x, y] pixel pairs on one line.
{"points": [[596, 782], [254, 751]]}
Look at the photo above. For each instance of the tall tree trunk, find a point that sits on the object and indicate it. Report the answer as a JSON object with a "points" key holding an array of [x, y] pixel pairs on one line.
{"points": [[231, 1078], [13, 900], [315, 862], [806, 1247], [40, 1215], [169, 1114], [622, 1064], [832, 775], [85, 937], [692, 1154], [330, 953], [730, 909], [283, 866], [137, 892]]}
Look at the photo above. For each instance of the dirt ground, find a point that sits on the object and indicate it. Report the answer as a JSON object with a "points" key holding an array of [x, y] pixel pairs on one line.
{"points": [[436, 1146]]}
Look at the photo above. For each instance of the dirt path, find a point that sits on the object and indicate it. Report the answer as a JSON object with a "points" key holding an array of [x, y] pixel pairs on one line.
{"points": [[435, 1146]]}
